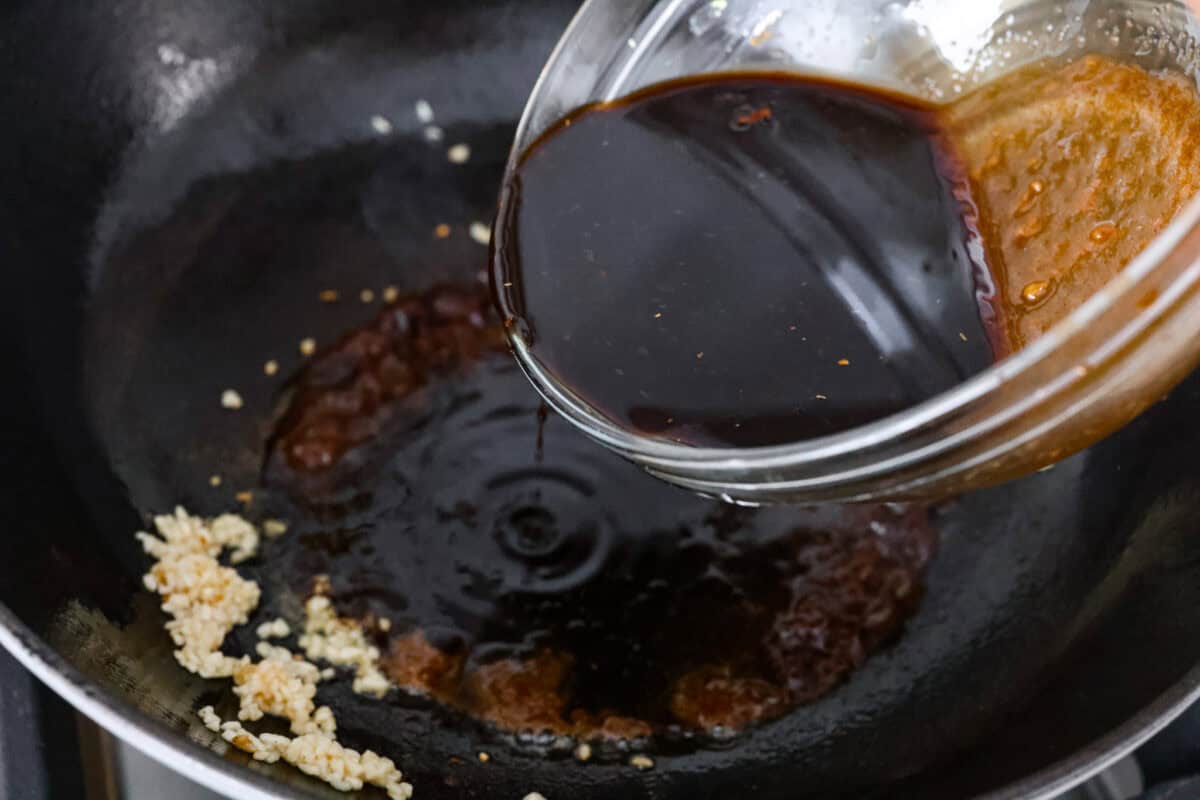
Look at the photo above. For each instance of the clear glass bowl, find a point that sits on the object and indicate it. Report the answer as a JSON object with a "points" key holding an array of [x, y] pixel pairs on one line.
{"points": [[1094, 372]]}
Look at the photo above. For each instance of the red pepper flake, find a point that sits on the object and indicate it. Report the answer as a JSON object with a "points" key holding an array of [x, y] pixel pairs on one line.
{"points": [[755, 116]]}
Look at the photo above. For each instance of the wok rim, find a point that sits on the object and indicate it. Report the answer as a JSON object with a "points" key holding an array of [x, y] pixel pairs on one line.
{"points": [[203, 766]]}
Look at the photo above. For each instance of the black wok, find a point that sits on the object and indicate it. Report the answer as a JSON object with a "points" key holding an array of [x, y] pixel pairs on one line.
{"points": [[1061, 624]]}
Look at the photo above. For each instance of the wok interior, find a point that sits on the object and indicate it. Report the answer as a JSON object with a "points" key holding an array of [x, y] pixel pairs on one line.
{"points": [[1057, 608]]}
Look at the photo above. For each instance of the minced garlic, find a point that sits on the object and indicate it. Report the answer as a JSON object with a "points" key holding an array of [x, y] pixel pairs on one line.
{"points": [[207, 600]]}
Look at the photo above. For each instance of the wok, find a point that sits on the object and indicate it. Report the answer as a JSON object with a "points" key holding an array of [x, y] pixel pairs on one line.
{"points": [[1061, 622]]}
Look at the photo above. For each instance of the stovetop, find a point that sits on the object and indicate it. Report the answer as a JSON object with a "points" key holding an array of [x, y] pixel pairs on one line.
{"points": [[48, 751]]}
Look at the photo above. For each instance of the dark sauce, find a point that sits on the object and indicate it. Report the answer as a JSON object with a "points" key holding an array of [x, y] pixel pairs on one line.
{"points": [[746, 260], [560, 593]]}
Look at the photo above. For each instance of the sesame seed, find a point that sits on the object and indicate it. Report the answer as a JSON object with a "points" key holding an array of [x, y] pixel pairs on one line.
{"points": [[1035, 292], [484, 758], [246, 497], [271, 367], [328, 296], [424, 112], [442, 231], [214, 481], [700, 355], [434, 134], [822, 397], [308, 346], [641, 762], [481, 233], [962, 336], [583, 752], [658, 315], [367, 296], [390, 294], [459, 153], [231, 400], [274, 528], [381, 125], [534, 796]]}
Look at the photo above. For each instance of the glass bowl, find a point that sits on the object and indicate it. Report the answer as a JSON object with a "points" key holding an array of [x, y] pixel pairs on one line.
{"points": [[1092, 373]]}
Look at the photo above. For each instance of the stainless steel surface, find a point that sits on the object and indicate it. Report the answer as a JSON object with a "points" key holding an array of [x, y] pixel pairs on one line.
{"points": [[142, 778]]}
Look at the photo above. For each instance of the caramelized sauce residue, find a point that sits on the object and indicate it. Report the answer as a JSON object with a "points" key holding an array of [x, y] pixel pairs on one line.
{"points": [[1075, 170]]}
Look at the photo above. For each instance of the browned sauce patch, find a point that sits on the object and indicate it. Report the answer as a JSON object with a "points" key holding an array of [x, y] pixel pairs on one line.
{"points": [[373, 378], [849, 596], [849, 593], [713, 697]]}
